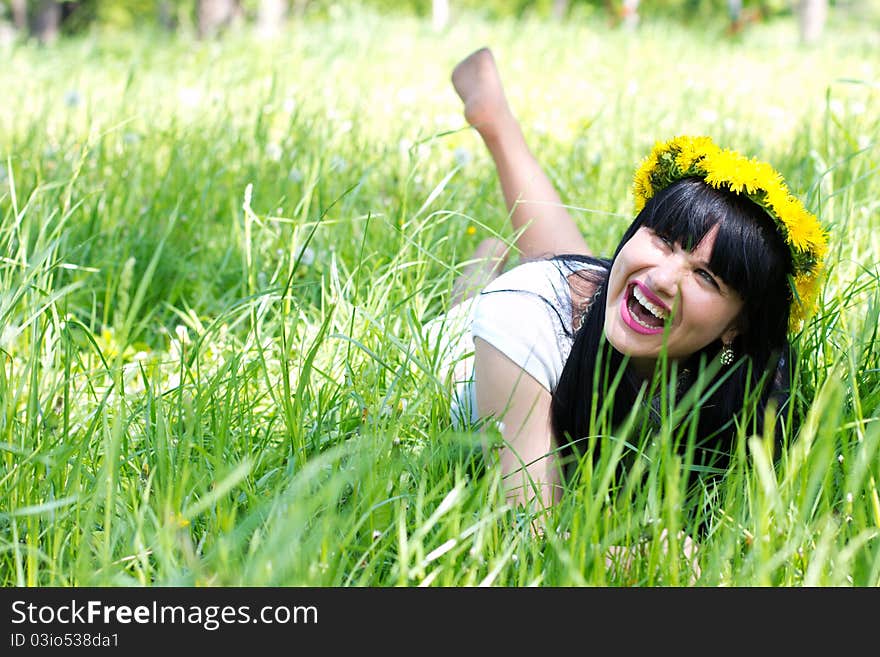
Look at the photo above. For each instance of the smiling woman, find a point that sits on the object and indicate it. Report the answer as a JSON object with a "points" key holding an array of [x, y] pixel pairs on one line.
{"points": [[656, 284], [719, 265]]}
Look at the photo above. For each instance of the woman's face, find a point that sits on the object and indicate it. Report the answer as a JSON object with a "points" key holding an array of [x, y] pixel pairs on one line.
{"points": [[654, 283]]}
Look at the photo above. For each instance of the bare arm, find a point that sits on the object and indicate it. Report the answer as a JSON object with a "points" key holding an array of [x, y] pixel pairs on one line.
{"points": [[528, 459], [522, 405]]}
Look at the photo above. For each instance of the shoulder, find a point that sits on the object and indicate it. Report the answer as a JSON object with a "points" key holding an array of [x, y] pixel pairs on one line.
{"points": [[533, 296], [539, 276], [522, 292], [556, 278], [526, 314], [583, 280]]}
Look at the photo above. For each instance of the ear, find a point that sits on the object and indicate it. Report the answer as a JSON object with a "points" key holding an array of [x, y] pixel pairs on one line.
{"points": [[730, 334], [736, 327]]}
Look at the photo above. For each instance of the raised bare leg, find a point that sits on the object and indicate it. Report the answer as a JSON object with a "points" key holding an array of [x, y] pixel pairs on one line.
{"points": [[536, 211]]}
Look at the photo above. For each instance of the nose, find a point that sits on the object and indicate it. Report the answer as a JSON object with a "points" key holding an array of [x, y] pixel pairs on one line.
{"points": [[665, 278]]}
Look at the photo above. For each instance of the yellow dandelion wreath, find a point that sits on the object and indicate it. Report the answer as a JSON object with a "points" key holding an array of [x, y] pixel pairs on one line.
{"points": [[686, 156]]}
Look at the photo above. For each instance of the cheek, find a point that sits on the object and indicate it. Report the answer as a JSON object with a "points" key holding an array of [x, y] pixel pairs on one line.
{"points": [[728, 308], [617, 275], [613, 285], [715, 314]]}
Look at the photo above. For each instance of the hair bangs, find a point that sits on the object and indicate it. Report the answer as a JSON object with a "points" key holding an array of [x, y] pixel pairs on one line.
{"points": [[748, 252], [682, 216]]}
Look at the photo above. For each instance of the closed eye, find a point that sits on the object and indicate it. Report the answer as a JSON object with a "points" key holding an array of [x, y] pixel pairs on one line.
{"points": [[666, 240]]}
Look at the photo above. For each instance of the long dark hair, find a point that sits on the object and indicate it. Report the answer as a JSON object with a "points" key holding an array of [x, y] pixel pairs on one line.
{"points": [[751, 257]]}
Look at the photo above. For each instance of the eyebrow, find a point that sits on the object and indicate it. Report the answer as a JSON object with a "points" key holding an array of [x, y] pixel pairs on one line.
{"points": [[702, 263]]}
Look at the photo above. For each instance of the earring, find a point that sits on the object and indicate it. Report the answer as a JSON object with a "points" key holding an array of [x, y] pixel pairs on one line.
{"points": [[727, 354]]}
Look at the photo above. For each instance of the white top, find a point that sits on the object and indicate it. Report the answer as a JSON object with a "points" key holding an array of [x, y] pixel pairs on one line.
{"points": [[526, 314]]}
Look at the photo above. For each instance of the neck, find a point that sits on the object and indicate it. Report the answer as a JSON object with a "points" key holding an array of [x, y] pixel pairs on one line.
{"points": [[643, 368]]}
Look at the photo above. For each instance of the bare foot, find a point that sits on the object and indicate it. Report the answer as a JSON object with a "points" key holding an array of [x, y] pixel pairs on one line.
{"points": [[478, 84], [484, 267]]}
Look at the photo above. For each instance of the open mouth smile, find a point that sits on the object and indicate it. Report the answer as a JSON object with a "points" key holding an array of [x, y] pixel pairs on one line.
{"points": [[642, 311]]}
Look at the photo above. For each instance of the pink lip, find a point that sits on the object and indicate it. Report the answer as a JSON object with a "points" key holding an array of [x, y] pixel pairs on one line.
{"points": [[628, 318], [653, 298]]}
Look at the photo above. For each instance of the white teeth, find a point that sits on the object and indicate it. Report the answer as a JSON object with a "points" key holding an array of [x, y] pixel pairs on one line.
{"points": [[659, 313], [641, 323]]}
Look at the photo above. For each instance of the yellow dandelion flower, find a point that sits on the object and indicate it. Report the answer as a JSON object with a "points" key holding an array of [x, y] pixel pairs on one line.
{"points": [[692, 149], [740, 173], [178, 521], [723, 169], [753, 178], [471, 230], [807, 288], [766, 177], [677, 143], [799, 233], [684, 156], [777, 195], [820, 241], [784, 206], [642, 188]]}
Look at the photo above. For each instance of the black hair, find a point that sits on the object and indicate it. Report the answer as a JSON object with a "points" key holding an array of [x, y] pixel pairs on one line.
{"points": [[751, 257]]}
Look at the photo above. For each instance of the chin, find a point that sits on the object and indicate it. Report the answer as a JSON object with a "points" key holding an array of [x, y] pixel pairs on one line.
{"points": [[636, 346], [628, 344]]}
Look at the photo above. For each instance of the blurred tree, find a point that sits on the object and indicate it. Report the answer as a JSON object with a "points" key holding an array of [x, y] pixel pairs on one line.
{"points": [[625, 12], [740, 16], [734, 8], [19, 14], [812, 15], [440, 14], [270, 17], [167, 19], [630, 13], [560, 9], [207, 17], [45, 22], [215, 15]]}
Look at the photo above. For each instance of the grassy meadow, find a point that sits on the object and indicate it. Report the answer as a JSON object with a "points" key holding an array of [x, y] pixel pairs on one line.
{"points": [[218, 260]]}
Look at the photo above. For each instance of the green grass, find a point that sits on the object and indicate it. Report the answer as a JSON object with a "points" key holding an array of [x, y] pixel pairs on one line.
{"points": [[218, 259]]}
